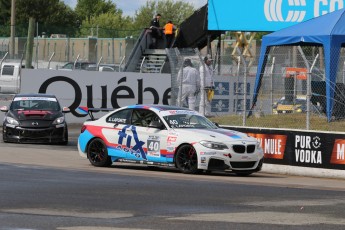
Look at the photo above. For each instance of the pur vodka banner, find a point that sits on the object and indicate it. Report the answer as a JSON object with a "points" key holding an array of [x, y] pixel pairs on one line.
{"points": [[265, 15]]}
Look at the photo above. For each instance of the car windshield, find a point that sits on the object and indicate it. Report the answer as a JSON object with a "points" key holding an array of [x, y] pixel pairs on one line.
{"points": [[35, 103], [189, 121]]}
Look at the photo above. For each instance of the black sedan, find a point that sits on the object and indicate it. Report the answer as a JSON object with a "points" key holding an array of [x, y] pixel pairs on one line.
{"points": [[35, 118]]}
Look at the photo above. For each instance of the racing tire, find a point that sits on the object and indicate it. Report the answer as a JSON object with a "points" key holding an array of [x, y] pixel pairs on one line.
{"points": [[65, 141], [97, 153], [243, 173], [3, 136], [186, 159]]}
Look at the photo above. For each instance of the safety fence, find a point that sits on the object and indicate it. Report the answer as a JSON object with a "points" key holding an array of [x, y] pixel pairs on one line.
{"points": [[292, 93]]}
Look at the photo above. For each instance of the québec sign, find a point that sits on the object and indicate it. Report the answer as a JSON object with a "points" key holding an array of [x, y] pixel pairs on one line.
{"points": [[97, 90]]}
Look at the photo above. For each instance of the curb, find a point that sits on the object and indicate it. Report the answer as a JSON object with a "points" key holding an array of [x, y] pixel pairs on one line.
{"points": [[303, 171]]}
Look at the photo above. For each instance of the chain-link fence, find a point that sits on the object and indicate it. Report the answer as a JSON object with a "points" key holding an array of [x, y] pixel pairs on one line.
{"points": [[283, 100], [292, 93]]}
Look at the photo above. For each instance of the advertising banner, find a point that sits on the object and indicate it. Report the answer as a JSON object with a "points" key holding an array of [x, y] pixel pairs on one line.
{"points": [[300, 148], [97, 90], [265, 15]]}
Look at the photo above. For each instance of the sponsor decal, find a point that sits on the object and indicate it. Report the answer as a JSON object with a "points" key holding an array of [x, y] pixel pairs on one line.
{"points": [[171, 139], [273, 145], [174, 112], [170, 149], [153, 146], [306, 149], [34, 99], [202, 160], [299, 73], [138, 147], [338, 153], [118, 120], [208, 153], [173, 133]]}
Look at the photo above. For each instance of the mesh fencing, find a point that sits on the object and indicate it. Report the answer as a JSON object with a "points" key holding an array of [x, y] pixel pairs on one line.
{"points": [[283, 100]]}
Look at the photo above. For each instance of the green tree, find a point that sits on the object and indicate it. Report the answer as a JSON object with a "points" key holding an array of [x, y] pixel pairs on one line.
{"points": [[176, 11], [5, 12], [107, 25], [5, 17], [38, 9], [32, 11], [63, 21], [86, 9]]}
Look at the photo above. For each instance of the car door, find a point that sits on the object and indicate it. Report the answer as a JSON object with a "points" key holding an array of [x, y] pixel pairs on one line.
{"points": [[148, 142], [116, 132]]}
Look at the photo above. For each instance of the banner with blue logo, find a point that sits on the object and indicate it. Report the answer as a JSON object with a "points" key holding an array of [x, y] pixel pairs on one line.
{"points": [[265, 15]]}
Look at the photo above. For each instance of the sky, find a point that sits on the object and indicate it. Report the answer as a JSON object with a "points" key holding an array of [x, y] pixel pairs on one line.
{"points": [[130, 6]]}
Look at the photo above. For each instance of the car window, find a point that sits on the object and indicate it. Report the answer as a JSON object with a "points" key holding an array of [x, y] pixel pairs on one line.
{"points": [[189, 121], [50, 104], [143, 117], [120, 117], [68, 66]]}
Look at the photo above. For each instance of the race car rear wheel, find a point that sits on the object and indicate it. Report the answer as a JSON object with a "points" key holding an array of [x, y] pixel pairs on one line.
{"points": [[186, 159], [97, 153]]}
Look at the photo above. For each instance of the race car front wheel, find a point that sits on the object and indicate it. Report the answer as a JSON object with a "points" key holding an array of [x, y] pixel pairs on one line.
{"points": [[97, 153], [186, 159]]}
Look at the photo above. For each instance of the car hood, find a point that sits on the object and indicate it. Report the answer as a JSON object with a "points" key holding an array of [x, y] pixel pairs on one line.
{"points": [[217, 135], [23, 115]]}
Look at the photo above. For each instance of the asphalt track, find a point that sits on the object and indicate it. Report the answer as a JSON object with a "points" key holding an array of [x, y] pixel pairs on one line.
{"points": [[68, 157], [52, 187]]}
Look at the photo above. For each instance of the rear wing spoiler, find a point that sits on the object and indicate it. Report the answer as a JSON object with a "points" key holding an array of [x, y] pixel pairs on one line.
{"points": [[90, 111]]}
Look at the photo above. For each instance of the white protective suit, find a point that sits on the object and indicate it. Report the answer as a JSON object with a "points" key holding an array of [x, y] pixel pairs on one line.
{"points": [[189, 79], [206, 72]]}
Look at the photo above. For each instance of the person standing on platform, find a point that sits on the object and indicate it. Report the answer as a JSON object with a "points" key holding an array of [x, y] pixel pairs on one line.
{"points": [[169, 31], [156, 31]]}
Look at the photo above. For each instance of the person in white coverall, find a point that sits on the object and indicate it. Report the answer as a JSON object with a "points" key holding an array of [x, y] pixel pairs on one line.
{"points": [[189, 82], [207, 86]]}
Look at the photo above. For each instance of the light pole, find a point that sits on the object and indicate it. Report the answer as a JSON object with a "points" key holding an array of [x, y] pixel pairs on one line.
{"points": [[13, 28]]}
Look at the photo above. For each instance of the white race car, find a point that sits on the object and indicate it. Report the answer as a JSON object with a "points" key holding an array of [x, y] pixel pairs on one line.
{"points": [[167, 136]]}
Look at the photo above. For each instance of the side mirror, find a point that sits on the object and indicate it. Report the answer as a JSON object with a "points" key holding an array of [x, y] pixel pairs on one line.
{"points": [[216, 124], [4, 108], [66, 110], [156, 124]]}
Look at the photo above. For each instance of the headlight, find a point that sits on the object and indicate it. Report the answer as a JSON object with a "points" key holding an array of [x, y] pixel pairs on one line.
{"points": [[12, 121], [258, 145], [59, 120], [213, 145]]}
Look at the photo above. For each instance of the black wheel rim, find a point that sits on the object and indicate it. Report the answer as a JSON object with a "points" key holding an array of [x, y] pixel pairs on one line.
{"points": [[97, 152], [187, 159]]}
